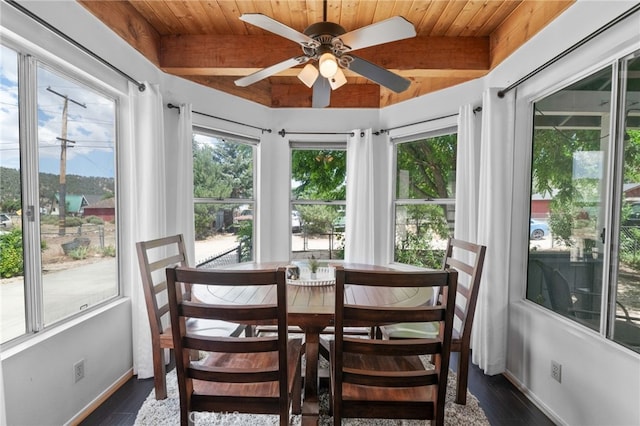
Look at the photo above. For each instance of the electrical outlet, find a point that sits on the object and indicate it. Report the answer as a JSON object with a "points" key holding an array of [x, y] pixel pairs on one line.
{"points": [[556, 371], [78, 370]]}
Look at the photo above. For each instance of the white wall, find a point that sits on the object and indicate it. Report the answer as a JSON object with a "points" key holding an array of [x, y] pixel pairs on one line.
{"points": [[535, 335], [600, 379], [38, 376]]}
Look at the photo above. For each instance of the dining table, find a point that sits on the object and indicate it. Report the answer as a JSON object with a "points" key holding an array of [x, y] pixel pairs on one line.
{"points": [[311, 308]]}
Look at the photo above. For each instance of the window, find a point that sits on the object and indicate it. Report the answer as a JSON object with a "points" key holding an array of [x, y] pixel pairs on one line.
{"points": [[58, 169], [318, 200], [224, 203], [424, 202], [583, 164]]}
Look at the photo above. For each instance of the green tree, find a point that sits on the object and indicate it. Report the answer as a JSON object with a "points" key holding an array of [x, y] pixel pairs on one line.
{"points": [[425, 170], [574, 198], [320, 174], [220, 170], [431, 165]]}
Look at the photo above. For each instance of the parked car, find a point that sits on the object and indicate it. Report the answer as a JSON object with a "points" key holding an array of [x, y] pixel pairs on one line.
{"points": [[244, 215], [538, 229], [338, 224], [634, 215], [296, 221], [5, 220]]}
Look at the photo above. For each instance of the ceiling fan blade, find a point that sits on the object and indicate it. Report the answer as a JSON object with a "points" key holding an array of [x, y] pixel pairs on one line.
{"points": [[271, 25], [380, 75], [392, 29], [269, 71], [321, 93]]}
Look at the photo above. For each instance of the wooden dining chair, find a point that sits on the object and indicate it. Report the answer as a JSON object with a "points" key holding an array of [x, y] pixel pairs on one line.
{"points": [[259, 375], [375, 378], [153, 257], [468, 259]]}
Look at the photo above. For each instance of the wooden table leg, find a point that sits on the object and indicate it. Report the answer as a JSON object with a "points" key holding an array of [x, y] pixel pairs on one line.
{"points": [[311, 406]]}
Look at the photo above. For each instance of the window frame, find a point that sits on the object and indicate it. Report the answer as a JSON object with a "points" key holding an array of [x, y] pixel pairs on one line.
{"points": [[555, 81], [29, 60], [254, 143], [439, 127], [335, 145]]}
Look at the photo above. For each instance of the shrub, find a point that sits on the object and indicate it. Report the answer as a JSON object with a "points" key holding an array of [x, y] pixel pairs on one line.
{"points": [[79, 253], [94, 220], [109, 251], [11, 261], [73, 221]]}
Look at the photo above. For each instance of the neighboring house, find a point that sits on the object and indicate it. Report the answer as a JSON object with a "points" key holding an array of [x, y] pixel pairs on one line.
{"points": [[540, 206], [75, 204], [631, 190], [104, 209]]}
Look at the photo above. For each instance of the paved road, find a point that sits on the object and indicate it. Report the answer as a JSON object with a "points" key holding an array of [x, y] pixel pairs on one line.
{"points": [[65, 292]]}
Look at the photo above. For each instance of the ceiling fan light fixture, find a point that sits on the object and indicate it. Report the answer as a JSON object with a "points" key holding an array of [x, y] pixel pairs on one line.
{"points": [[308, 75], [338, 80], [328, 65]]}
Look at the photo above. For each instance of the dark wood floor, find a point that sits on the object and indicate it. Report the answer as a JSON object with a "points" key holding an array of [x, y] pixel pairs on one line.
{"points": [[502, 402]]}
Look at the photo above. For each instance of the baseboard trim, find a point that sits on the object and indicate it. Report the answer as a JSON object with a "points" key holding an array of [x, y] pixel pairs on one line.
{"points": [[100, 399], [533, 398]]}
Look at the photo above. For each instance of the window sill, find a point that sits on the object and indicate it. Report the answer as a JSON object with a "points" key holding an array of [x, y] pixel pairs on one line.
{"points": [[34, 339]]}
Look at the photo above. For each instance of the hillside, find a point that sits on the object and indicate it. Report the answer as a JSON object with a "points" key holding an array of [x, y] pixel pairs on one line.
{"points": [[50, 184]]}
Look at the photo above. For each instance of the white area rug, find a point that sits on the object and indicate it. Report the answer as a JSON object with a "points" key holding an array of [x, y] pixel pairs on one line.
{"points": [[167, 412]]}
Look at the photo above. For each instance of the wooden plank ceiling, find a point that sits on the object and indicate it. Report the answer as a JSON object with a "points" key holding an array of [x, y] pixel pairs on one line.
{"points": [[204, 41]]}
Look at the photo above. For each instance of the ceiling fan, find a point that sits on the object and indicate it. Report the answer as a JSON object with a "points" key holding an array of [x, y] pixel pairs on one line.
{"points": [[331, 46]]}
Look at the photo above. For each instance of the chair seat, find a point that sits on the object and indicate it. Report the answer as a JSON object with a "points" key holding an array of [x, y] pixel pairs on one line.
{"points": [[415, 330], [203, 327], [260, 360], [351, 391], [213, 327]]}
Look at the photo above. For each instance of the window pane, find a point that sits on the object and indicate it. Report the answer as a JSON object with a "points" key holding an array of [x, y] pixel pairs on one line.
{"points": [[225, 233], [425, 170], [222, 170], [570, 148], [627, 289], [421, 234], [12, 302], [318, 203], [76, 146], [322, 232]]}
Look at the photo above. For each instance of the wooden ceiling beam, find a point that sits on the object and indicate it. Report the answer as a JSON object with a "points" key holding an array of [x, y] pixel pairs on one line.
{"points": [[219, 52], [127, 22]]}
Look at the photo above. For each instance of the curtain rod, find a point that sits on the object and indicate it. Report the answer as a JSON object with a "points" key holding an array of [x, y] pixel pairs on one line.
{"points": [[141, 86], [172, 106], [381, 131], [571, 49], [283, 133]]}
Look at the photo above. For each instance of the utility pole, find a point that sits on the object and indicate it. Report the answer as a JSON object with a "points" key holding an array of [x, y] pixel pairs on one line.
{"points": [[62, 203]]}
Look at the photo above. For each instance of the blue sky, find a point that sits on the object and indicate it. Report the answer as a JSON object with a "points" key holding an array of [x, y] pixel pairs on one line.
{"points": [[91, 127]]}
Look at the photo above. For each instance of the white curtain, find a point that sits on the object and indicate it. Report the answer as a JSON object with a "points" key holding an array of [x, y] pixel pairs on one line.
{"points": [[184, 197], [143, 204], [489, 337], [359, 225], [467, 173]]}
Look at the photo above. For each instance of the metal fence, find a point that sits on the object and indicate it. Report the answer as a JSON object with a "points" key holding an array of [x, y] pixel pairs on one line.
{"points": [[630, 240]]}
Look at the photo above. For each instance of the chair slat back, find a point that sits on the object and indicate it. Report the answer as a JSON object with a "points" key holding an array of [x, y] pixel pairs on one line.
{"points": [[215, 372], [391, 364], [153, 257], [468, 259]]}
